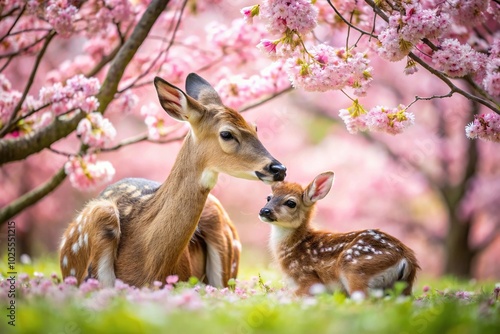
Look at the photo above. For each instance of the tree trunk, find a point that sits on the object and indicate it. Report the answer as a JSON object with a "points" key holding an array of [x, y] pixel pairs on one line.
{"points": [[459, 256]]}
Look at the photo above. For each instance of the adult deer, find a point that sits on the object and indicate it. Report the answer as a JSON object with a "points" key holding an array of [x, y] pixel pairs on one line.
{"points": [[139, 231], [354, 262]]}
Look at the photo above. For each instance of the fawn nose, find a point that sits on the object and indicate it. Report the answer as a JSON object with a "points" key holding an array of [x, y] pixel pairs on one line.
{"points": [[265, 212], [278, 170]]}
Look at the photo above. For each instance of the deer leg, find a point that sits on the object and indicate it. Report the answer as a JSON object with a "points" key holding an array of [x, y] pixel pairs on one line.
{"points": [[90, 243]]}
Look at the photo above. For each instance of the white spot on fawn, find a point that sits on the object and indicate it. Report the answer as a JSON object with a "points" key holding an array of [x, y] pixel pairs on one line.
{"points": [[75, 248], [65, 261], [86, 239], [72, 272]]}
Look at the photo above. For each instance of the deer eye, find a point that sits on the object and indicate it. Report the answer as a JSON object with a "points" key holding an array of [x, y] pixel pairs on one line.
{"points": [[226, 135], [268, 198], [291, 204]]}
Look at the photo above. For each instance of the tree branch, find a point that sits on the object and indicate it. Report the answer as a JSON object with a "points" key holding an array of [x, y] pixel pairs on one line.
{"points": [[31, 197], [21, 148]]}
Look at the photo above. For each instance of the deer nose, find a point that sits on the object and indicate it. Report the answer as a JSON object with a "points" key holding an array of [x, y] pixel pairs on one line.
{"points": [[278, 170], [265, 212]]}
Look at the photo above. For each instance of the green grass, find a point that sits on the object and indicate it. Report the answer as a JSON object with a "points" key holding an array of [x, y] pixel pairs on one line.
{"points": [[450, 306]]}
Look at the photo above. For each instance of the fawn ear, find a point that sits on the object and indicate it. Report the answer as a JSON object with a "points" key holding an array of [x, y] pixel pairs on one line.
{"points": [[200, 90], [318, 188], [176, 103]]}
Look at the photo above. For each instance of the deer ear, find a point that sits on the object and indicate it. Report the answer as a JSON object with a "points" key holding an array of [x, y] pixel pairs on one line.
{"points": [[176, 103], [200, 90], [318, 188]]}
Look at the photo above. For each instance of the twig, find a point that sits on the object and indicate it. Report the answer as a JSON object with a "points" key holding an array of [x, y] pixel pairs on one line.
{"points": [[53, 150], [281, 92], [14, 24], [418, 98], [348, 23]]}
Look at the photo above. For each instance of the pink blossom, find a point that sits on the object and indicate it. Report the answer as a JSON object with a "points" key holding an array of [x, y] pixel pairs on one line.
{"points": [[87, 172], [392, 46], [491, 81], [61, 16], [70, 280], [268, 46], [8, 100], [155, 121], [485, 126], [249, 12], [124, 103], [330, 69], [389, 120], [238, 90], [172, 279], [297, 15], [73, 95], [456, 59], [96, 131], [411, 67], [89, 104], [90, 285], [378, 119], [354, 117], [240, 38], [467, 12]]}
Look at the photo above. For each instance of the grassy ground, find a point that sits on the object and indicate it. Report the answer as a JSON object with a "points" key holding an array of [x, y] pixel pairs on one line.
{"points": [[251, 305]]}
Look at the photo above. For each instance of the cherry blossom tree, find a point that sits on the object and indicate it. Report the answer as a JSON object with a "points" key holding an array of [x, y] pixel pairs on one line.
{"points": [[71, 70]]}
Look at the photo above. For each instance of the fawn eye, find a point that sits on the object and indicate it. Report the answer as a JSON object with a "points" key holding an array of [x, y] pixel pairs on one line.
{"points": [[226, 135], [268, 198], [291, 204]]}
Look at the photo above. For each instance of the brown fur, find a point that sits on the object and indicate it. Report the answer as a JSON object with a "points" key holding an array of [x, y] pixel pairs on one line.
{"points": [[349, 261], [155, 225]]}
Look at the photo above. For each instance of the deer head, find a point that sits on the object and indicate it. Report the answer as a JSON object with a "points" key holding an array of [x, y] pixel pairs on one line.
{"points": [[225, 142], [290, 205]]}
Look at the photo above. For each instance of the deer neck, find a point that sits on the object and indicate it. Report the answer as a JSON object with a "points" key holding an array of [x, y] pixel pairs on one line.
{"points": [[283, 238], [176, 207]]}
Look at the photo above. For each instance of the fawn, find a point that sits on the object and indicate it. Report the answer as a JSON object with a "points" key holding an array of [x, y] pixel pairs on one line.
{"points": [[355, 261], [141, 231]]}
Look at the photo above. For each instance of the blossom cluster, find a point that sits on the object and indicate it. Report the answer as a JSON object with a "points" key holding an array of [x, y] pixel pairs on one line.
{"points": [[406, 30], [237, 90], [95, 130], [378, 119], [486, 127], [77, 93], [457, 59], [314, 68], [87, 173], [283, 15], [330, 68]]}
